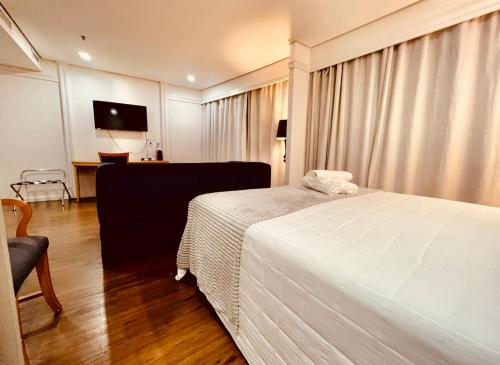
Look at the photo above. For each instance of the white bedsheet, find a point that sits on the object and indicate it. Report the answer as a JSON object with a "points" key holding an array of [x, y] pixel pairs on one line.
{"points": [[377, 279]]}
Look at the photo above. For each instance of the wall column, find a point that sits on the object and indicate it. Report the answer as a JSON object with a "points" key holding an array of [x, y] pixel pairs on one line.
{"points": [[66, 120], [298, 96], [10, 335]]}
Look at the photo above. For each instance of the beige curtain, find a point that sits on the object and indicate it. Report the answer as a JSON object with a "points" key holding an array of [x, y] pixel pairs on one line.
{"points": [[243, 128], [267, 106], [224, 129], [422, 117]]}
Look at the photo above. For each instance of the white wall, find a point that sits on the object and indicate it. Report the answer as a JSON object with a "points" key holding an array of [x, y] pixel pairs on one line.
{"points": [[31, 131], [46, 121], [84, 86], [184, 131], [182, 134]]}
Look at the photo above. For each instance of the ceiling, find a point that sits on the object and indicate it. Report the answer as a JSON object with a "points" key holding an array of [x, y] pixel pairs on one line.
{"points": [[165, 40]]}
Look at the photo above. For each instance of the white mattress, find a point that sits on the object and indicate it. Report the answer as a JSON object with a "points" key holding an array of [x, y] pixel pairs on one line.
{"points": [[377, 279]]}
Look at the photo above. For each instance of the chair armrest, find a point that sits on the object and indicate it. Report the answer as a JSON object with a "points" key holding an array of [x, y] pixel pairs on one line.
{"points": [[27, 213]]}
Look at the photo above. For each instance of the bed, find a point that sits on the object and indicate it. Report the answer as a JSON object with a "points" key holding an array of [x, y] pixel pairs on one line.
{"points": [[298, 277]]}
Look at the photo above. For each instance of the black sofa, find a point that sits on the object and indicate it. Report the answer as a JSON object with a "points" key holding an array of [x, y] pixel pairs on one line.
{"points": [[142, 208]]}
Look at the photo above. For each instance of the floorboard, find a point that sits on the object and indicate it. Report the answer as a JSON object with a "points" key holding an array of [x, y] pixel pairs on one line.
{"points": [[136, 314]]}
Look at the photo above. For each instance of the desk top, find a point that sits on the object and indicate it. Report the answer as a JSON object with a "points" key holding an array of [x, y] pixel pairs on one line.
{"points": [[97, 163]]}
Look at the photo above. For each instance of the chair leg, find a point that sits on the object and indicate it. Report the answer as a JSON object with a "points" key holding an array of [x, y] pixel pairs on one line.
{"points": [[25, 353], [43, 272]]}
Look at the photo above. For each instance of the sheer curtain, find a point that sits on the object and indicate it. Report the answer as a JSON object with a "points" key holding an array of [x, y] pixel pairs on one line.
{"points": [[224, 128], [422, 117], [243, 128], [266, 107]]}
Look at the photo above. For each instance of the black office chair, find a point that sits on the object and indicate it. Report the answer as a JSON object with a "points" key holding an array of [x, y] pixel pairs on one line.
{"points": [[120, 158]]}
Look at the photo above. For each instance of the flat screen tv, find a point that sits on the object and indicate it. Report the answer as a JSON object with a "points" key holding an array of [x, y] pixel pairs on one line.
{"points": [[117, 116]]}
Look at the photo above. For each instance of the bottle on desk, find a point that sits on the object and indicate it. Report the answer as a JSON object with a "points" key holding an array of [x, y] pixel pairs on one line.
{"points": [[159, 153], [149, 151]]}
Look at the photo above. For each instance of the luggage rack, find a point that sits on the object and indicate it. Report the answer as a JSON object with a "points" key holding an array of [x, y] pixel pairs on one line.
{"points": [[25, 182]]}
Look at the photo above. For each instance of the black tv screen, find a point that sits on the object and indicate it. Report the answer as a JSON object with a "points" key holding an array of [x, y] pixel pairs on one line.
{"points": [[119, 116]]}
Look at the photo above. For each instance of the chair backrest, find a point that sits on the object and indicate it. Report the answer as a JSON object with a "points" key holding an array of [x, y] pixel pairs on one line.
{"points": [[27, 213], [120, 158]]}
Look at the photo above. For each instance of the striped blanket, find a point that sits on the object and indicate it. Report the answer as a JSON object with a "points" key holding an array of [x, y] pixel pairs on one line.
{"points": [[211, 244]]}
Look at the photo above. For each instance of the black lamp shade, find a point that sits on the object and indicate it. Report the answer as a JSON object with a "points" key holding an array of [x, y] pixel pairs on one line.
{"points": [[281, 134]]}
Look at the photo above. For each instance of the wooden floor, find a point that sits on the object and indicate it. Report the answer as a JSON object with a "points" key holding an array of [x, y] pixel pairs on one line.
{"points": [[132, 315]]}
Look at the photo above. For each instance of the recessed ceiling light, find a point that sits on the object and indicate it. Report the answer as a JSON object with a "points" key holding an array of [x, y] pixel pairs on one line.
{"points": [[85, 56], [191, 78]]}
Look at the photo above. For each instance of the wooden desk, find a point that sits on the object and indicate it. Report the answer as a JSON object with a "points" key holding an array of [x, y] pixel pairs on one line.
{"points": [[78, 165]]}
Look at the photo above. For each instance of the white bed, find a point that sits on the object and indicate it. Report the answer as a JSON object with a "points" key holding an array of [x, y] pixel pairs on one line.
{"points": [[380, 278]]}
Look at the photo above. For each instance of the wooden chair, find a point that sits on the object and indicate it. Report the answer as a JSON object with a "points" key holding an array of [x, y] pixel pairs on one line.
{"points": [[26, 253], [121, 158]]}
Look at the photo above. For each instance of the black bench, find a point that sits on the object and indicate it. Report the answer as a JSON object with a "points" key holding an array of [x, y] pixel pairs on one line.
{"points": [[142, 209]]}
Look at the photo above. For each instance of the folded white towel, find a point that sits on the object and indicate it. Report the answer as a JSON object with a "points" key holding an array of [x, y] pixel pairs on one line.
{"points": [[329, 174], [330, 186]]}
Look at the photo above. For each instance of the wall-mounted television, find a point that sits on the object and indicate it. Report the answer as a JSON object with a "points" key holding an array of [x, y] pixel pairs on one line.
{"points": [[117, 116]]}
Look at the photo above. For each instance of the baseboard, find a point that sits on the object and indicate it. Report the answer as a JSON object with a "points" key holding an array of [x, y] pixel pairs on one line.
{"points": [[43, 197]]}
